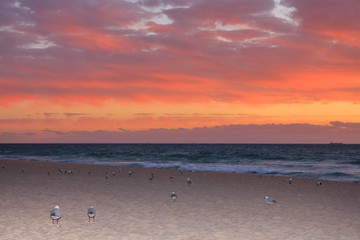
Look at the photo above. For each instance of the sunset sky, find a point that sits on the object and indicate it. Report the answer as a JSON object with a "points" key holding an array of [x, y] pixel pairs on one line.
{"points": [[238, 71]]}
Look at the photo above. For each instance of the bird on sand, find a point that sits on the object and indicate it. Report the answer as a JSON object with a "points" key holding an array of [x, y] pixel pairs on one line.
{"points": [[173, 196], [91, 213], [55, 214], [290, 180], [189, 181], [269, 200]]}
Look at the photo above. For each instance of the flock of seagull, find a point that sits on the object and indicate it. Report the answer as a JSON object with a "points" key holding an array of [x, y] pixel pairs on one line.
{"points": [[55, 213]]}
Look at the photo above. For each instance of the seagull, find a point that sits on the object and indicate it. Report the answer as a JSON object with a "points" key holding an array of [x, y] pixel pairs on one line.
{"points": [[130, 173], [173, 196], [91, 213], [318, 184], [269, 200], [151, 177], [290, 180], [55, 214], [189, 181]]}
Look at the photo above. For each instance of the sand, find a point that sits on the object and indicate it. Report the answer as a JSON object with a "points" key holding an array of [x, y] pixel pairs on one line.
{"points": [[215, 206]]}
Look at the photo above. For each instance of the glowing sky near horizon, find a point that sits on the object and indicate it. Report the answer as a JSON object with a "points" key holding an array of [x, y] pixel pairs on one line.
{"points": [[76, 66]]}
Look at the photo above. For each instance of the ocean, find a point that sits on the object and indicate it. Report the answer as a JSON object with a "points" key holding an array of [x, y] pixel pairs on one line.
{"points": [[340, 162]]}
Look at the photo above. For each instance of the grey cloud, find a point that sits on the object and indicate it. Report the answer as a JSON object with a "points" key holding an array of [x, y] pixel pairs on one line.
{"points": [[253, 133]]}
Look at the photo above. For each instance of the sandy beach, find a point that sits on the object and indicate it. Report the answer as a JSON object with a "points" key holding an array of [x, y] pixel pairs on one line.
{"points": [[215, 206]]}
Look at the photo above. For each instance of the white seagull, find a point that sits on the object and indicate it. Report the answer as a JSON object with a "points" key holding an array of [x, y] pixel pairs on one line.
{"points": [[173, 196], [91, 213], [55, 214], [290, 180], [189, 181], [269, 200]]}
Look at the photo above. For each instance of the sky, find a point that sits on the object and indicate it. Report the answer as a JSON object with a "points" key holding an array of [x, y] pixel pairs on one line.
{"points": [[173, 71]]}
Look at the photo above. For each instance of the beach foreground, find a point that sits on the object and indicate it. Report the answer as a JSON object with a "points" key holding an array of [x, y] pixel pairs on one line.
{"points": [[215, 206]]}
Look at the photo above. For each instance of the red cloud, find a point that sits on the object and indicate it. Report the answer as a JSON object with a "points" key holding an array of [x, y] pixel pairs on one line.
{"points": [[175, 51]]}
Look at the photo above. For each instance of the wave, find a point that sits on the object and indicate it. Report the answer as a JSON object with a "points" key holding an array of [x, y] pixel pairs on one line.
{"points": [[338, 174], [357, 162], [217, 168], [311, 161]]}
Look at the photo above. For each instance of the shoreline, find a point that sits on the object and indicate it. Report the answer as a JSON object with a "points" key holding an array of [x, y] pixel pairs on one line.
{"points": [[217, 205], [292, 160], [136, 165]]}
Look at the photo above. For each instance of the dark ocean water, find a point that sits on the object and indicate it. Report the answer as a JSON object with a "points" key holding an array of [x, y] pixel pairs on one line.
{"points": [[319, 161]]}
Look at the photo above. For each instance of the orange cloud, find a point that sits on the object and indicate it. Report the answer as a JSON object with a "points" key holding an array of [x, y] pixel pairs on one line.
{"points": [[206, 57]]}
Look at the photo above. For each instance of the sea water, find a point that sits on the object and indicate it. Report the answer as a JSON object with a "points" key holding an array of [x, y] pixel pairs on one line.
{"points": [[340, 162]]}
